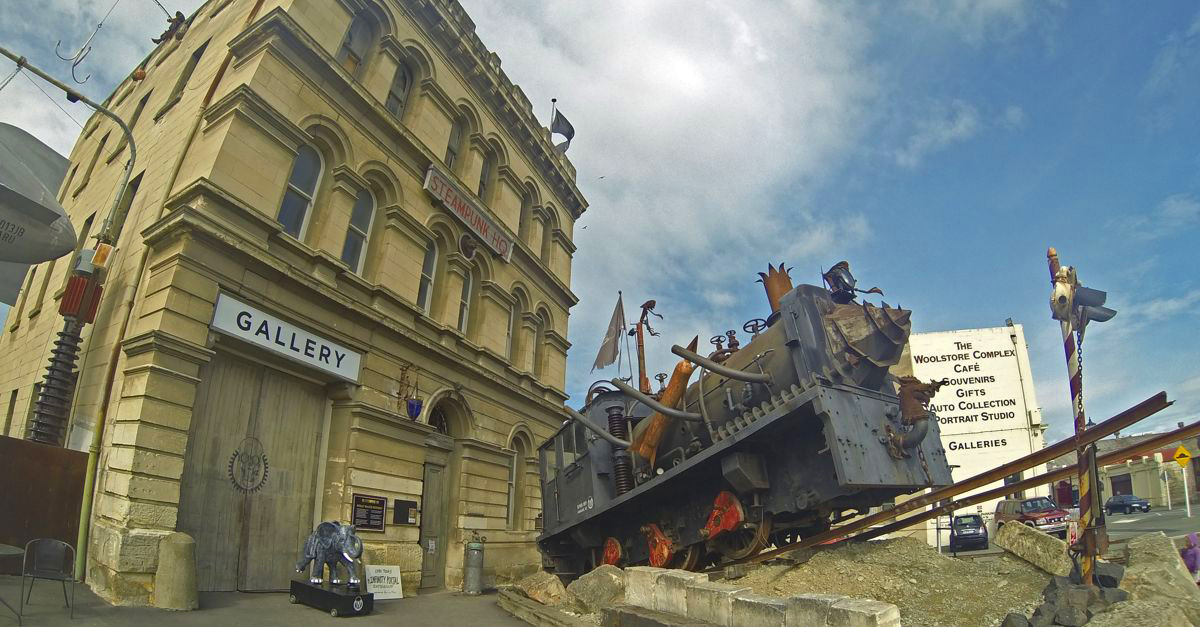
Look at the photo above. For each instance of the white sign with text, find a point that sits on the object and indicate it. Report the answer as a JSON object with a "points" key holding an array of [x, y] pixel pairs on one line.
{"points": [[384, 581], [279, 336]]}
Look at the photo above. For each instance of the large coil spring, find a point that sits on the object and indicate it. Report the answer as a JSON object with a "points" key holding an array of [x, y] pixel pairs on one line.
{"points": [[622, 464]]}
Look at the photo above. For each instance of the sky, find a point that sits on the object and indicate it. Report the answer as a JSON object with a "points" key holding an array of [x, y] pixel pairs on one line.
{"points": [[938, 146]]}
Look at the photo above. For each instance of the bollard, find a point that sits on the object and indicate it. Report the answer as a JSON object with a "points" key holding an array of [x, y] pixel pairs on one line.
{"points": [[473, 566], [175, 579]]}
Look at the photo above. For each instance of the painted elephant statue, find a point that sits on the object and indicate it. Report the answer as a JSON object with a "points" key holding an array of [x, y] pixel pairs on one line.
{"points": [[331, 544]]}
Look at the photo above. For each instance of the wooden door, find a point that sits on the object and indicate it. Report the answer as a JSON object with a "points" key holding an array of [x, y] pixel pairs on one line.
{"points": [[433, 527], [210, 505], [279, 515]]}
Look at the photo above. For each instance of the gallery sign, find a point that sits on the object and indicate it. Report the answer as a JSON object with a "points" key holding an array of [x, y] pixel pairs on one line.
{"points": [[468, 212], [237, 319]]}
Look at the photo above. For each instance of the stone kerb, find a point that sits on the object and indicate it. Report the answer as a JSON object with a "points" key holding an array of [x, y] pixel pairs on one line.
{"points": [[692, 595], [1036, 547]]}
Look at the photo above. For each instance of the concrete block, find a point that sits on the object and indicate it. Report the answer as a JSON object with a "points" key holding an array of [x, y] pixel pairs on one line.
{"points": [[863, 613], [712, 602], [1038, 548], [640, 582], [811, 609], [750, 610], [175, 578], [670, 595], [1154, 572], [630, 616]]}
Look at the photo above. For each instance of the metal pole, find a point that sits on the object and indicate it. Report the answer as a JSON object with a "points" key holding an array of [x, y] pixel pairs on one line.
{"points": [[1187, 498], [106, 235], [1075, 374]]}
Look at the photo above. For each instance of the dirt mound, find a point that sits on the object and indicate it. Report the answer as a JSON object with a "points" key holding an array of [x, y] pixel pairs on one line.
{"points": [[931, 589]]}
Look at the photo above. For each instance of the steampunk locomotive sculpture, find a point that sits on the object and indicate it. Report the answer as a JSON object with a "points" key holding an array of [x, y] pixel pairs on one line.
{"points": [[776, 440]]}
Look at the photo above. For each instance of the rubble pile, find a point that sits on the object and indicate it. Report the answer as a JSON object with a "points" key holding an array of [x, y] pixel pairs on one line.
{"points": [[930, 589]]}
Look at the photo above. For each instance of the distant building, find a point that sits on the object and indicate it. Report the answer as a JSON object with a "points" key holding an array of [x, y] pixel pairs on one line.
{"points": [[1153, 475], [338, 207], [988, 411]]}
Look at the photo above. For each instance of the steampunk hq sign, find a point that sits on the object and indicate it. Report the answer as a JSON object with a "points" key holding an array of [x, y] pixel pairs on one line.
{"points": [[469, 212]]}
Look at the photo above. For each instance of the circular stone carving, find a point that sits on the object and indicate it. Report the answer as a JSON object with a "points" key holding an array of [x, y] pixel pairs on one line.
{"points": [[248, 466]]}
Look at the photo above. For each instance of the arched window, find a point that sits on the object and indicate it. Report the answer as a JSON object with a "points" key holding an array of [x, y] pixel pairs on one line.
{"points": [[539, 344], [428, 270], [358, 231], [516, 484], [485, 176], [526, 212], [301, 191], [353, 53], [548, 237], [464, 302], [397, 97], [510, 340], [454, 146]]}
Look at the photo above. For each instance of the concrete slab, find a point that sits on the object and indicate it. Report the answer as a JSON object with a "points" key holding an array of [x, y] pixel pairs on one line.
{"points": [[624, 615], [713, 602], [640, 582], [671, 593], [440, 609]]}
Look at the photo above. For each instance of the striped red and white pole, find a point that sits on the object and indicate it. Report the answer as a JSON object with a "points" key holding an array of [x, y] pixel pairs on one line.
{"points": [[1075, 374]]}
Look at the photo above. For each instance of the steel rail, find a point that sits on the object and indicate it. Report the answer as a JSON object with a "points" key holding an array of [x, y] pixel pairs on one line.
{"points": [[1111, 457], [1130, 416]]}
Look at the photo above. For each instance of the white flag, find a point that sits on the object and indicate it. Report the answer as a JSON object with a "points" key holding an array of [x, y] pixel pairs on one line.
{"points": [[610, 348]]}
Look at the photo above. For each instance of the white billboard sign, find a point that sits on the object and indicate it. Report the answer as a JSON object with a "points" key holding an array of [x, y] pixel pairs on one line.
{"points": [[279, 336]]}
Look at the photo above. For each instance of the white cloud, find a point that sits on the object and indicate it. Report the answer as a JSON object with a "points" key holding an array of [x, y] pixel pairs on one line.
{"points": [[974, 21], [1175, 213], [1013, 117], [945, 126]]}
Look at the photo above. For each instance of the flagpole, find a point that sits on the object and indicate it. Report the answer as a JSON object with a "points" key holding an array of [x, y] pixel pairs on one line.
{"points": [[553, 110]]}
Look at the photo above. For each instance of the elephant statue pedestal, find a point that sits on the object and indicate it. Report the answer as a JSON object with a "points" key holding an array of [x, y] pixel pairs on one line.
{"points": [[334, 546], [337, 599]]}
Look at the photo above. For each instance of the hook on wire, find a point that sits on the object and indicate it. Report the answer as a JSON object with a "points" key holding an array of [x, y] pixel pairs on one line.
{"points": [[86, 48]]}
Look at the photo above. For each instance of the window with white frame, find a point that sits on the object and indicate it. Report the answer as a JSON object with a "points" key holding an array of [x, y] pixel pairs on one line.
{"points": [[358, 231], [397, 97], [454, 145], [428, 268], [464, 303], [301, 191]]}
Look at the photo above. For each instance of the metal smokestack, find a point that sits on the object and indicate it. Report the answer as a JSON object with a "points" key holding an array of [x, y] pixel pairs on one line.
{"points": [[777, 283]]}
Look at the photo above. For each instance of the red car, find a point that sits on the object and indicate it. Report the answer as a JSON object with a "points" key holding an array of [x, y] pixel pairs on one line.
{"points": [[1038, 512]]}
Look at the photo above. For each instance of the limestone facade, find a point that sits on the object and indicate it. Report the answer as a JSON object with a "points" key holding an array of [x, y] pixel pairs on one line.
{"points": [[282, 149]]}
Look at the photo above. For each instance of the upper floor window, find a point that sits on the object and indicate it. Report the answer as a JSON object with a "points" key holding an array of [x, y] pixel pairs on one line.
{"points": [[454, 145], [353, 53], [539, 339], [485, 176], [358, 231], [397, 97], [428, 268], [464, 303], [301, 191]]}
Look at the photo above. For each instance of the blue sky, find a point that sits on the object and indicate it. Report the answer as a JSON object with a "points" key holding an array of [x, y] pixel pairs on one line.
{"points": [[939, 147]]}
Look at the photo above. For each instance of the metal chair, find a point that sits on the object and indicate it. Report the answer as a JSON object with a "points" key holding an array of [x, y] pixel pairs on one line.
{"points": [[46, 558]]}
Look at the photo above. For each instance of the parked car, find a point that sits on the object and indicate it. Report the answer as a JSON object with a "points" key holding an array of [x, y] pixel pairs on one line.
{"points": [[1039, 512], [968, 532], [1126, 504]]}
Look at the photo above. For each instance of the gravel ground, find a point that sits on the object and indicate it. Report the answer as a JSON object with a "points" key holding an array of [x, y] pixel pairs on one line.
{"points": [[931, 590]]}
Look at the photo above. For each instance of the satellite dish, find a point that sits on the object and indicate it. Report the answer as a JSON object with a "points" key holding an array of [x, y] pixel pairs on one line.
{"points": [[33, 226]]}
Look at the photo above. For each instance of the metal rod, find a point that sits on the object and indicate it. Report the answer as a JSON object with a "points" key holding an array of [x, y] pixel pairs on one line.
{"points": [[655, 405], [725, 371], [1134, 414], [107, 234], [615, 441], [1112, 457]]}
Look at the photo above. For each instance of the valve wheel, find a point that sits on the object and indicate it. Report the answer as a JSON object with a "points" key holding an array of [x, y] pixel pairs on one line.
{"points": [[717, 340], [755, 326]]}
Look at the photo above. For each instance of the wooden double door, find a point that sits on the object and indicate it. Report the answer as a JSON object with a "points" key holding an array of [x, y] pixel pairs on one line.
{"points": [[250, 475]]}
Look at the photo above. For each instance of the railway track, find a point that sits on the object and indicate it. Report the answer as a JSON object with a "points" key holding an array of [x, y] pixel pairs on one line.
{"points": [[864, 528]]}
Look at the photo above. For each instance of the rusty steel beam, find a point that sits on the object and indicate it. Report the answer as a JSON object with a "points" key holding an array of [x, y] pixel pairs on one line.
{"points": [[1130, 416], [1111, 457]]}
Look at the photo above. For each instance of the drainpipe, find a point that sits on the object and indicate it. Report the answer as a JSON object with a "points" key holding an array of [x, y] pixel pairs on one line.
{"points": [[127, 307]]}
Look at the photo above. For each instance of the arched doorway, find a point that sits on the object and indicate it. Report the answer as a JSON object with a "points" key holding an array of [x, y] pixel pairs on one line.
{"points": [[450, 419]]}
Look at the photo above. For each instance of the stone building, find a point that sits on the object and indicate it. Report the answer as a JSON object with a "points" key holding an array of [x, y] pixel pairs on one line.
{"points": [[338, 207]]}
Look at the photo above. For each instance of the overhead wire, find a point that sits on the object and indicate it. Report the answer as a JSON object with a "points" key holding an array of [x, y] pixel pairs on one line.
{"points": [[48, 97], [10, 77]]}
